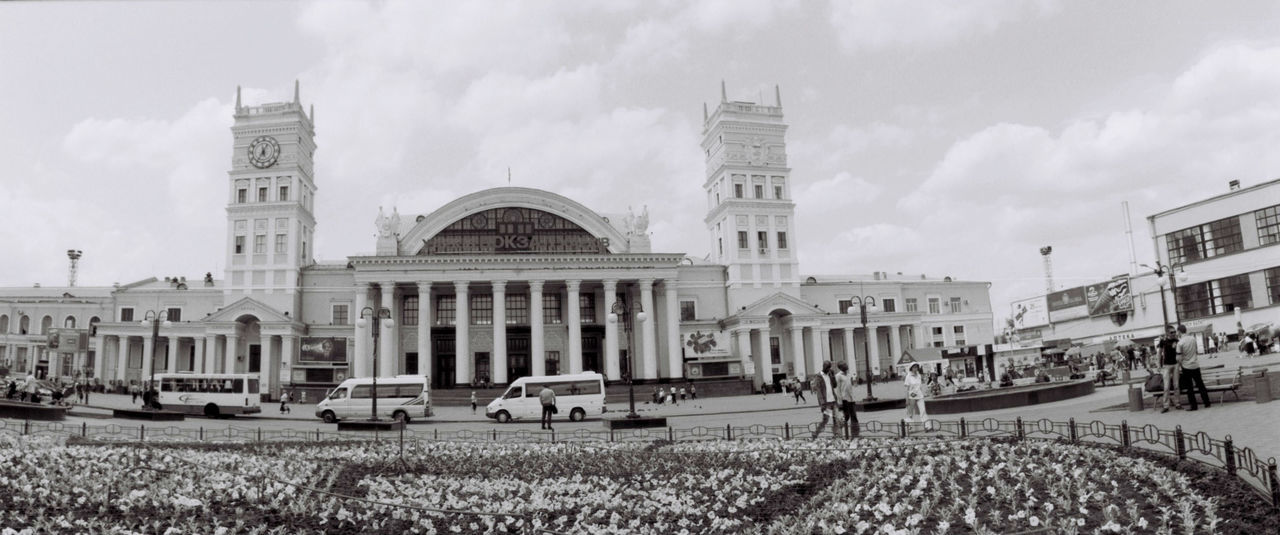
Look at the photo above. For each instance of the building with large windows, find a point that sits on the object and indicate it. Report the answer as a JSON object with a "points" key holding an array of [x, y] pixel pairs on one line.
{"points": [[498, 284]]}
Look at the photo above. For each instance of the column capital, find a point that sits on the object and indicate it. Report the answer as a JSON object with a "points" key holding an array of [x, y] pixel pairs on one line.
{"points": [[610, 285], [423, 286], [499, 286], [536, 286], [461, 286], [645, 283], [387, 285], [573, 285]]}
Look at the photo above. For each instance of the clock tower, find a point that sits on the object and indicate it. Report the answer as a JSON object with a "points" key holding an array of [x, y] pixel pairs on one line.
{"points": [[750, 215], [271, 199]]}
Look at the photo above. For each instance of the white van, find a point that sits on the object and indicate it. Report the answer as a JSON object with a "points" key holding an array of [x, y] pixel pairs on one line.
{"points": [[403, 397], [577, 396]]}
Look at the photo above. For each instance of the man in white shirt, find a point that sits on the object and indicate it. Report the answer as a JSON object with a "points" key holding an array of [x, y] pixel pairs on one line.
{"points": [[825, 391], [845, 396], [1188, 359]]}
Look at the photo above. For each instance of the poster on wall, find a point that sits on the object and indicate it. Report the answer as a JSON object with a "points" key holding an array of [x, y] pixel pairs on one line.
{"points": [[318, 349], [700, 344], [1067, 304], [1109, 297], [1030, 313]]}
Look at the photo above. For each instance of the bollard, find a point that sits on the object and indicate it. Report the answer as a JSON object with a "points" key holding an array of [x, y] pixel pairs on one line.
{"points": [[1124, 433], [1262, 387], [1181, 443], [1275, 483], [1135, 400], [1074, 436], [84, 429], [728, 431], [964, 428], [1124, 375], [1021, 434], [786, 430], [902, 428], [1229, 449], [671, 434]]}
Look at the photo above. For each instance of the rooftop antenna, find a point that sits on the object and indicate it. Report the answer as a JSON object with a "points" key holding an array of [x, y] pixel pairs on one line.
{"points": [[1045, 252], [74, 255], [1128, 230]]}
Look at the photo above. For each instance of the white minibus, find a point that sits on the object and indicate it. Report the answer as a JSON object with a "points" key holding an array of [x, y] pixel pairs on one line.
{"points": [[403, 397], [210, 394], [577, 396]]}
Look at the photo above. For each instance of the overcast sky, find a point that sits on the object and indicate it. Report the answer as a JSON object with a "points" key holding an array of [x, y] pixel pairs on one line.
{"points": [[946, 138]]}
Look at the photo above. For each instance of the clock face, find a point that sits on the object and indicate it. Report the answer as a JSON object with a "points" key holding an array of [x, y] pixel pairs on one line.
{"points": [[263, 152]]}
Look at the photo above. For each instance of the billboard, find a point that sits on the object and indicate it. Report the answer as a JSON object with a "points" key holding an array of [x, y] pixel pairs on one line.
{"points": [[1068, 304], [1109, 297], [1030, 313], [318, 349], [699, 344]]}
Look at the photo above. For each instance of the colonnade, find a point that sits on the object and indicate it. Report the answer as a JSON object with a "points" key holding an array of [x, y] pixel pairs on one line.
{"points": [[805, 346]]}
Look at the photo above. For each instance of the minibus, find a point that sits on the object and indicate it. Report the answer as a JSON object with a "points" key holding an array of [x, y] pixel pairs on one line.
{"points": [[403, 398], [577, 396]]}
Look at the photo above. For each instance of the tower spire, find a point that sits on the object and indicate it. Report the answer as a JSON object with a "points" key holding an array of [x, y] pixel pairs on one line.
{"points": [[704, 112], [295, 91], [237, 99], [723, 95], [313, 113], [777, 95]]}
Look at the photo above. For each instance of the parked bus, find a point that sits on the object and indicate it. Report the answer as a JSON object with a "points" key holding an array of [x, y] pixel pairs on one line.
{"points": [[577, 396], [210, 394], [403, 397]]}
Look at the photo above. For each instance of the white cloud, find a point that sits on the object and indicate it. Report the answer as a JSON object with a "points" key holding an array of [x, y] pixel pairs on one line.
{"points": [[872, 24]]}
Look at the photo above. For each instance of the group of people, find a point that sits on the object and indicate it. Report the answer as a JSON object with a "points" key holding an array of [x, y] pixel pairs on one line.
{"points": [[1180, 369], [834, 392], [23, 389], [672, 396]]}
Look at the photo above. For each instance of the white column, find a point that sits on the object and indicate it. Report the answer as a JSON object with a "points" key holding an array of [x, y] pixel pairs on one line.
{"points": [[850, 356], [387, 333], [199, 363], [675, 360], [122, 356], [499, 332], [537, 341], [266, 364], [210, 353], [231, 353], [462, 332], [744, 348], [148, 354], [425, 362], [575, 326], [816, 355], [612, 361], [650, 370], [287, 350], [797, 350], [360, 361], [173, 355], [873, 343], [895, 343], [100, 357], [764, 361]]}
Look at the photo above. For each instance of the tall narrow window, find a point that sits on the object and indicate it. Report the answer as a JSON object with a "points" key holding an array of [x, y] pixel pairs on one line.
{"points": [[284, 193], [737, 190], [935, 306], [762, 239], [409, 314], [239, 244], [262, 194], [587, 306], [551, 309], [911, 305], [955, 305], [260, 244], [517, 309], [958, 333], [242, 196], [446, 310], [777, 192], [482, 309], [759, 191], [282, 243], [889, 305], [782, 240], [687, 311], [742, 240]]}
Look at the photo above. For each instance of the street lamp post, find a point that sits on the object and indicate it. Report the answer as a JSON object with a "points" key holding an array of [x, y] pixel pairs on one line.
{"points": [[1162, 270], [620, 311], [155, 319], [370, 315], [866, 303]]}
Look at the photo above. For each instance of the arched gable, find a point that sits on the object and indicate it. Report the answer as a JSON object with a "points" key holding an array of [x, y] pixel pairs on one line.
{"points": [[513, 220]]}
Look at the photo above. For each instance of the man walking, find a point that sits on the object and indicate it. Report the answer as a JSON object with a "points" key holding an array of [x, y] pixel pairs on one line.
{"points": [[548, 398], [844, 394], [1188, 358], [1169, 368], [825, 393]]}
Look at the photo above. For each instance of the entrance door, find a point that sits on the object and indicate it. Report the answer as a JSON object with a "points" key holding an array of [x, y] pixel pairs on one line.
{"points": [[591, 353], [445, 364], [517, 358], [255, 358], [411, 363]]}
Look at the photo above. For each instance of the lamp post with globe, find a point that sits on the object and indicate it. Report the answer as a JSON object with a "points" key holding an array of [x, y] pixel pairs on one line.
{"points": [[865, 304], [620, 312], [370, 315]]}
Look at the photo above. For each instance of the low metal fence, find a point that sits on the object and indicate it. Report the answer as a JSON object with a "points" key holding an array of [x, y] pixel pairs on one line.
{"points": [[1241, 462]]}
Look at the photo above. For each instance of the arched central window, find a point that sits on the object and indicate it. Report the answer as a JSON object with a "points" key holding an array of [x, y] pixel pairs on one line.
{"points": [[513, 230]]}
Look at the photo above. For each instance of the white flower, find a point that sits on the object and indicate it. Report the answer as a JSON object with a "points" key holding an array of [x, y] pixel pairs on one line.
{"points": [[1035, 521]]}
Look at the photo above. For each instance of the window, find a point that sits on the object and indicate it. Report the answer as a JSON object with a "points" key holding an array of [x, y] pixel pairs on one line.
{"points": [[720, 245], [1204, 241], [551, 309], [1214, 297], [742, 240], [782, 240], [341, 315], [126, 314], [775, 350], [409, 310], [239, 244], [845, 305], [587, 306], [517, 309], [911, 305], [553, 363], [762, 238], [777, 192], [935, 307], [938, 340], [1268, 220], [284, 193], [688, 312], [446, 310], [482, 309], [737, 190], [958, 332], [955, 305], [759, 191], [282, 243], [242, 196], [889, 305], [173, 314], [1273, 284], [262, 194], [69, 322], [260, 244]]}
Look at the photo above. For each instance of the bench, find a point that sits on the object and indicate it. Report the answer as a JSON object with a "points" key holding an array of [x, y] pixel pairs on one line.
{"points": [[1224, 382]]}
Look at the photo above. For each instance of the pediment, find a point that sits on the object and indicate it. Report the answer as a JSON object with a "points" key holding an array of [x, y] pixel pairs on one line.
{"points": [[248, 306], [790, 303]]}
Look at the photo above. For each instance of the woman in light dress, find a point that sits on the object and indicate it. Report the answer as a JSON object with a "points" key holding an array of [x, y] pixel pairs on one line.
{"points": [[915, 395]]}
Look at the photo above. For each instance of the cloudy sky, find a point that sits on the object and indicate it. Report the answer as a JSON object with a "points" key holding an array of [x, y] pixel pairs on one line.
{"points": [[946, 138]]}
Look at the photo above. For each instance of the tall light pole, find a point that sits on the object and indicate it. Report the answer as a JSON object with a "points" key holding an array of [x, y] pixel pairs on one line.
{"points": [[155, 319], [375, 316], [1161, 272], [620, 311], [866, 303]]}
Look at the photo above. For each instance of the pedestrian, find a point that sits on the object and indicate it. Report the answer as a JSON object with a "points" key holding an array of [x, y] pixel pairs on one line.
{"points": [[693, 391], [548, 398], [655, 396], [798, 388], [683, 394], [915, 394], [825, 393], [284, 402], [845, 395], [133, 389], [473, 402], [1190, 363], [662, 396], [1169, 368]]}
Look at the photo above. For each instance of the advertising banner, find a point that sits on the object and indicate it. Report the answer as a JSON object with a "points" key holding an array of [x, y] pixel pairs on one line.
{"points": [[699, 344], [1067, 304], [318, 349], [1109, 297], [1030, 313]]}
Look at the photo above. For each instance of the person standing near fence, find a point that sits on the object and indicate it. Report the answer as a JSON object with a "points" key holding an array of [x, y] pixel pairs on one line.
{"points": [[1188, 359], [915, 394], [824, 391], [473, 402], [1169, 368], [845, 395]]}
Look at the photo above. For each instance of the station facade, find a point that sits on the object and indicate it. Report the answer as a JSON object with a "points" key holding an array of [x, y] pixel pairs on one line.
{"points": [[497, 284]]}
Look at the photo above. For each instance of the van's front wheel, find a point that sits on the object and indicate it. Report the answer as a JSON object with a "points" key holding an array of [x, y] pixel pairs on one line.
{"points": [[576, 415], [401, 416], [503, 417], [329, 417]]}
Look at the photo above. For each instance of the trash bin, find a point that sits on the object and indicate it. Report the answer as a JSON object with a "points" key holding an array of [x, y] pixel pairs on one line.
{"points": [[1135, 400], [1262, 387]]}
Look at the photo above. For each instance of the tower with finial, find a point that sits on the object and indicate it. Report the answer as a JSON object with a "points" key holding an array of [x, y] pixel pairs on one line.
{"points": [[750, 214], [271, 198]]}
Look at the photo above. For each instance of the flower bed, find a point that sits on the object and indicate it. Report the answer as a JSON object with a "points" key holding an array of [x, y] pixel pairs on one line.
{"points": [[862, 486]]}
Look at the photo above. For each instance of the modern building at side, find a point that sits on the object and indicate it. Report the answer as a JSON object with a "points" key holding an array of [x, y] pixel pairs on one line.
{"points": [[497, 284]]}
